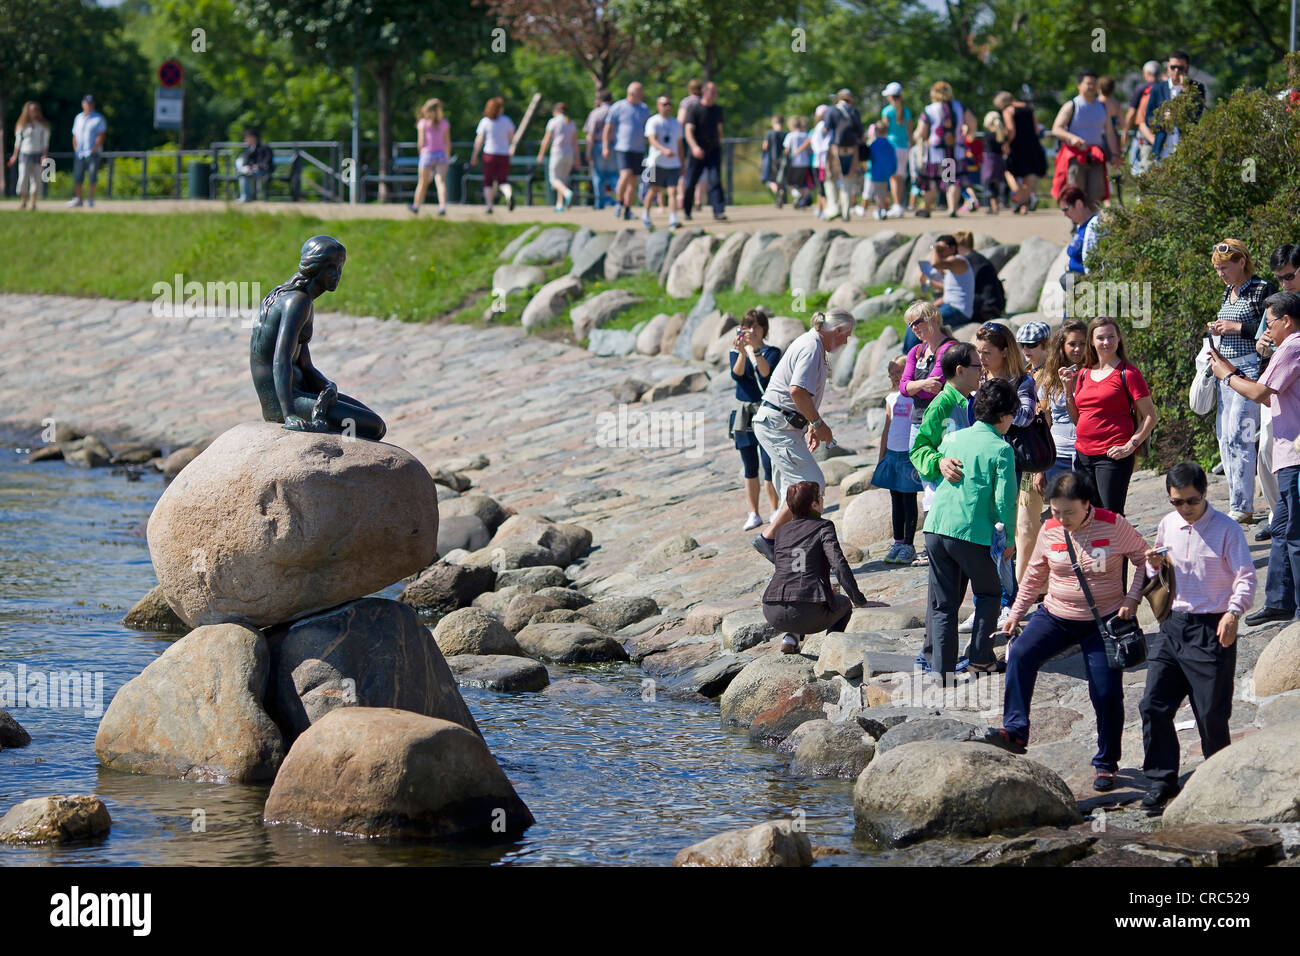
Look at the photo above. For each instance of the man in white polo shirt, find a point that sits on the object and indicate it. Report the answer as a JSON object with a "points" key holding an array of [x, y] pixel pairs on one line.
{"points": [[88, 131], [794, 393]]}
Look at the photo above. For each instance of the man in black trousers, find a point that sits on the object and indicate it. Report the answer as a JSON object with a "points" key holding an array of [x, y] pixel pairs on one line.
{"points": [[1195, 653], [704, 140]]}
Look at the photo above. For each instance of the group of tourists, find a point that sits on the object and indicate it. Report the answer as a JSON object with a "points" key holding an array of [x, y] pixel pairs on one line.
{"points": [[1013, 455]]}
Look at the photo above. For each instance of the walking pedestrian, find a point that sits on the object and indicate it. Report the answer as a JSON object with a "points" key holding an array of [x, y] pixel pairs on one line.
{"points": [[943, 125], [663, 160], [433, 133], [1081, 536], [492, 138], [770, 163], [1026, 159], [993, 168], [1139, 152], [1110, 405], [1195, 653], [704, 137], [1087, 142], [898, 130], [798, 163], [562, 137], [1157, 123], [624, 138], [1067, 352], [820, 138], [604, 171], [844, 123]]}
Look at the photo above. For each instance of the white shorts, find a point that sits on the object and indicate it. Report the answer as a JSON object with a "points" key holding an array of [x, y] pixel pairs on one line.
{"points": [[792, 462]]}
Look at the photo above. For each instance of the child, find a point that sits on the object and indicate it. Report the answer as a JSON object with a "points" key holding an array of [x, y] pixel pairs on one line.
{"points": [[798, 160], [884, 166], [993, 168], [915, 166], [894, 470], [974, 156], [771, 163]]}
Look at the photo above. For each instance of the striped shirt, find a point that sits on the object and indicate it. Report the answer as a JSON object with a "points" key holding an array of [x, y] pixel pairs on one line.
{"points": [[1100, 544], [1213, 568], [1249, 311]]}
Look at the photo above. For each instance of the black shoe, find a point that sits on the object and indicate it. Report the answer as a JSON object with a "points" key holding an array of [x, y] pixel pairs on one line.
{"points": [[766, 547], [510, 202], [1103, 781], [1266, 615], [999, 737], [1159, 795], [687, 215], [627, 212], [1264, 534], [720, 218]]}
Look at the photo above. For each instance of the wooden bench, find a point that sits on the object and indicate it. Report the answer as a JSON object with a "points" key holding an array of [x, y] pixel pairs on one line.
{"points": [[286, 169]]}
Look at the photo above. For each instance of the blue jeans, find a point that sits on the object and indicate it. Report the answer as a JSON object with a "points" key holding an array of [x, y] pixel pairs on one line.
{"points": [[248, 185], [1284, 552], [604, 175], [1044, 636], [951, 316], [1059, 467], [1237, 425], [910, 340]]}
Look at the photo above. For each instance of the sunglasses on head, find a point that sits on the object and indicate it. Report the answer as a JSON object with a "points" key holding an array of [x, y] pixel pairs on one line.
{"points": [[1188, 502], [1226, 249]]}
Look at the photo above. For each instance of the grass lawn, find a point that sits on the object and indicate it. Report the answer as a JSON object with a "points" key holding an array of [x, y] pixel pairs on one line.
{"points": [[421, 270]]}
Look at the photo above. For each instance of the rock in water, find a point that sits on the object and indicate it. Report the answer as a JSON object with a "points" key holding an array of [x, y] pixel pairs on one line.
{"points": [[1255, 780], [268, 525], [56, 819], [196, 712], [369, 653], [379, 772], [12, 733], [472, 630], [499, 672], [769, 844], [832, 750], [761, 685], [153, 613], [570, 643], [943, 788]]}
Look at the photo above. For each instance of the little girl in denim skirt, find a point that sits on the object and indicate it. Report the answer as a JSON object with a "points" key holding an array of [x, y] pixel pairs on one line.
{"points": [[895, 470]]}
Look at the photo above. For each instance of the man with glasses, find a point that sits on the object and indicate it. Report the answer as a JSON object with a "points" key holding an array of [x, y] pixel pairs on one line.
{"points": [[1165, 137], [1195, 653], [1279, 387]]}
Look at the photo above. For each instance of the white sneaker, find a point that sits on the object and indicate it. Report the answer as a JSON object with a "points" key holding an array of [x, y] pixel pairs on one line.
{"points": [[968, 625], [895, 212], [880, 214], [752, 522], [859, 211], [90, 203], [1003, 617], [673, 223], [72, 203], [645, 221]]}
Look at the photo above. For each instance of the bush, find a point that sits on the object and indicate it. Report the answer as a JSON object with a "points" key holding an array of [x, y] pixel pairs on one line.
{"points": [[1235, 174]]}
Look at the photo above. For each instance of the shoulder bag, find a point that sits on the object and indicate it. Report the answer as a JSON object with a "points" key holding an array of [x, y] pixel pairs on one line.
{"points": [[1033, 444], [1126, 645]]}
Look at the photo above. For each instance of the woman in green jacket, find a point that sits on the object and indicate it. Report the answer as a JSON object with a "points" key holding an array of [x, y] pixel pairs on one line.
{"points": [[959, 529]]}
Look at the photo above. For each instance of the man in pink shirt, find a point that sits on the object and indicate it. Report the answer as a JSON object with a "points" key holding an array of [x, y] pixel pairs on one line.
{"points": [[1279, 388], [1195, 653]]}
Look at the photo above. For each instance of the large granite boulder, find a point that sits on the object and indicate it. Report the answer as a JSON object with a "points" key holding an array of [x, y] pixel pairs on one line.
{"points": [[503, 673], [753, 246], [511, 278], [806, 269], [268, 525], [565, 542], [196, 712], [589, 260], [1278, 668], [369, 653], [656, 250], [867, 518], [550, 245], [712, 328], [1255, 780], [1051, 300], [838, 264], [518, 242], [57, 819], [893, 266], [920, 253], [570, 643], [466, 532], [777, 843], [594, 312], [870, 253], [687, 273], [937, 788], [769, 271], [681, 238], [761, 685], [782, 330], [1024, 275], [380, 772], [828, 749], [473, 630], [650, 338], [445, 587], [721, 273], [484, 507], [551, 301], [683, 346]]}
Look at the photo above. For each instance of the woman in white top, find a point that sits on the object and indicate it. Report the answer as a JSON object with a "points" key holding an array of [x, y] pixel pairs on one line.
{"points": [[942, 127], [492, 139], [31, 147], [562, 137]]}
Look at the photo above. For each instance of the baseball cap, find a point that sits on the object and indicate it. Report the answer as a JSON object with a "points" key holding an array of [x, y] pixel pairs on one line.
{"points": [[87, 98], [893, 89], [1031, 333]]}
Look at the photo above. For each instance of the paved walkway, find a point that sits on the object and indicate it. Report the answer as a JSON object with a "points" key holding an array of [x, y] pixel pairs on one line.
{"points": [[1046, 222]]}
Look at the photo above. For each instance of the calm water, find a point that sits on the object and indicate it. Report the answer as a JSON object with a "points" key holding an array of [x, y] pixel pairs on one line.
{"points": [[616, 780]]}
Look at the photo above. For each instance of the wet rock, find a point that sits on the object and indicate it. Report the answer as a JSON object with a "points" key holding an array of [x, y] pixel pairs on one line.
{"points": [[832, 750], [1047, 846], [57, 819], [927, 728], [1278, 668], [446, 587], [135, 453], [769, 844], [472, 630], [369, 653], [1217, 844], [12, 733], [50, 452], [711, 678], [570, 643], [268, 525], [551, 301], [582, 687], [943, 788], [196, 712], [762, 684], [612, 614], [380, 772], [90, 452], [1255, 780], [499, 672], [153, 613]]}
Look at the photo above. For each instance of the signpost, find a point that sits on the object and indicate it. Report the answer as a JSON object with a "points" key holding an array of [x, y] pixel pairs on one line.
{"points": [[169, 107]]}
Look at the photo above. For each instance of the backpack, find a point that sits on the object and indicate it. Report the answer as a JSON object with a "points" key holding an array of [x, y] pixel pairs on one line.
{"points": [[848, 131]]}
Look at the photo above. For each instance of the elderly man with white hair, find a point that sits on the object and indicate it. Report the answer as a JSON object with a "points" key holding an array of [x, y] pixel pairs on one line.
{"points": [[790, 406], [1141, 151]]}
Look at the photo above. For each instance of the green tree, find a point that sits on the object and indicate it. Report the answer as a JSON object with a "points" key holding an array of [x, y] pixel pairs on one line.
{"points": [[707, 34]]}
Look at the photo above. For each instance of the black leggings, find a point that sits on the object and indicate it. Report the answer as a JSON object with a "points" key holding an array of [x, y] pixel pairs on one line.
{"points": [[905, 514], [749, 456], [1109, 477]]}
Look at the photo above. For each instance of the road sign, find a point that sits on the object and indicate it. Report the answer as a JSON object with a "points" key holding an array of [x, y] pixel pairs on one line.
{"points": [[171, 74], [168, 108]]}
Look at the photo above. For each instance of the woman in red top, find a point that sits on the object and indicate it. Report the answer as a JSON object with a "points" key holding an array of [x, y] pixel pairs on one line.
{"points": [[1111, 407]]}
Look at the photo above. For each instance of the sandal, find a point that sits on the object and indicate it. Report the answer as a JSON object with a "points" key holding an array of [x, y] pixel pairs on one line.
{"points": [[922, 560], [1103, 781], [990, 668]]}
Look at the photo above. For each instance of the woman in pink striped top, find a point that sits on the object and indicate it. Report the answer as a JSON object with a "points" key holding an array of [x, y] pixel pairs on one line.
{"points": [[1101, 540]]}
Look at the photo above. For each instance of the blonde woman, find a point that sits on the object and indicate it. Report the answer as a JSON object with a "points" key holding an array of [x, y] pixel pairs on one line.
{"points": [[562, 138], [492, 139], [433, 133], [943, 125], [31, 147]]}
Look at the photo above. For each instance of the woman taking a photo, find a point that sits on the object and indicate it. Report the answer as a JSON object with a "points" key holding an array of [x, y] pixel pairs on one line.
{"points": [[1233, 333], [1100, 540], [752, 361], [1110, 405], [799, 599]]}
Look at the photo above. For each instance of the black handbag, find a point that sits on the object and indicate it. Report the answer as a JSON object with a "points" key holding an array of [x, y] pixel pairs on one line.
{"points": [[1033, 444], [1126, 645]]}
